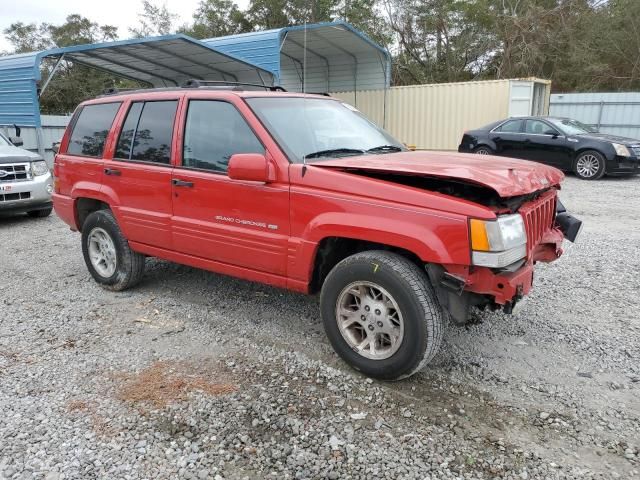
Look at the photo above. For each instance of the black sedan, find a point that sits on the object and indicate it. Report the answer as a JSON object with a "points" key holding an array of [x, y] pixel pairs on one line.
{"points": [[560, 142]]}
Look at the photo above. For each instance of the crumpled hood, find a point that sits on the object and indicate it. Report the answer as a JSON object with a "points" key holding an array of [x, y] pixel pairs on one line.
{"points": [[509, 177], [11, 154]]}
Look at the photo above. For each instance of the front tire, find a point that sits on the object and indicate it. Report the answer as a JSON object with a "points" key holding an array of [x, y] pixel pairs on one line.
{"points": [[107, 254], [589, 165], [381, 314]]}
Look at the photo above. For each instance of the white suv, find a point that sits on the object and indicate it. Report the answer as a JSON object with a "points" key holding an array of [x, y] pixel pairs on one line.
{"points": [[25, 181]]}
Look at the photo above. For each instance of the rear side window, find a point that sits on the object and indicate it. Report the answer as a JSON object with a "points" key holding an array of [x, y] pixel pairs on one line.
{"points": [[147, 132], [91, 129], [513, 126], [214, 132]]}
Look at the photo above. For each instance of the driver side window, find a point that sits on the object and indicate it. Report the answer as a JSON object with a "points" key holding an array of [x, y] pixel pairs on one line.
{"points": [[214, 132]]}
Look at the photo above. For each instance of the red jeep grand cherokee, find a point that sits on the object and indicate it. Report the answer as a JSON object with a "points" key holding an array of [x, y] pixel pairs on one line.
{"points": [[303, 192]]}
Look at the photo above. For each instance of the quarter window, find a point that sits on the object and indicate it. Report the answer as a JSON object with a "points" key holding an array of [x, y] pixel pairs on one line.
{"points": [[91, 129], [147, 132], [512, 126], [213, 133]]}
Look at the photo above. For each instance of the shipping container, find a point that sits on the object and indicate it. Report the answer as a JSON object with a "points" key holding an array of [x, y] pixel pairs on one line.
{"points": [[434, 117]]}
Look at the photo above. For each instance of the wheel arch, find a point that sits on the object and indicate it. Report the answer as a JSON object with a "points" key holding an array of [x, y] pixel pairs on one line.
{"points": [[85, 206], [332, 250]]}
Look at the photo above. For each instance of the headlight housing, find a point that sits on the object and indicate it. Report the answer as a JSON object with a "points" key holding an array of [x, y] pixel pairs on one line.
{"points": [[621, 150], [498, 243], [39, 168]]}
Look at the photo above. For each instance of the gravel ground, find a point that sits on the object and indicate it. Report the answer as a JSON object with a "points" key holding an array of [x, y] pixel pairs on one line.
{"points": [[196, 375]]}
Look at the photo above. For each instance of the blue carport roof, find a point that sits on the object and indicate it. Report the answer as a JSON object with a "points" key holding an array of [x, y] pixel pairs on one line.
{"points": [[159, 61], [329, 38]]}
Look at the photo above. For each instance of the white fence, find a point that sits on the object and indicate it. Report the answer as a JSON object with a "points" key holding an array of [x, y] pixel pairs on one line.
{"points": [[615, 113]]}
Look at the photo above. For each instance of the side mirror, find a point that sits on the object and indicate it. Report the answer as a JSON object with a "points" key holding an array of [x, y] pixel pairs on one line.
{"points": [[17, 141], [55, 147], [553, 133], [251, 167]]}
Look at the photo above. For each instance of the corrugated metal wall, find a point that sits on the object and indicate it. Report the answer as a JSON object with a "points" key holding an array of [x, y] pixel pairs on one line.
{"points": [[616, 113], [18, 96], [433, 117], [53, 127], [337, 56]]}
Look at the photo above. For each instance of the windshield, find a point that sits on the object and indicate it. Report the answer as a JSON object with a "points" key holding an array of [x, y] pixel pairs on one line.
{"points": [[315, 128], [571, 127], [4, 141]]}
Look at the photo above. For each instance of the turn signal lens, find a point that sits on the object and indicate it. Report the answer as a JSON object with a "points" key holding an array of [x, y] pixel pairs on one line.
{"points": [[479, 239]]}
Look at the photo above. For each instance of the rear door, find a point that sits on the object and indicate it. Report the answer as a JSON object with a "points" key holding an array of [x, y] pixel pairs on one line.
{"points": [[139, 173], [509, 138], [239, 223]]}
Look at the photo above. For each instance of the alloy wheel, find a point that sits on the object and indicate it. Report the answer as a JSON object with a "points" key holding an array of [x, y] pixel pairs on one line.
{"points": [[588, 165], [369, 320], [102, 252]]}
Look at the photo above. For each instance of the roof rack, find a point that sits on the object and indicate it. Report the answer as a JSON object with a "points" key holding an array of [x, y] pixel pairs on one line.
{"points": [[193, 83], [116, 91]]}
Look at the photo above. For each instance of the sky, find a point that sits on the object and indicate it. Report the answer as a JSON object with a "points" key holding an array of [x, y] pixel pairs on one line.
{"points": [[120, 13]]}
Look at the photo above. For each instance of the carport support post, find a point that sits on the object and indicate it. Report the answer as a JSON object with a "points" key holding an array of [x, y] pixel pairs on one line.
{"points": [[40, 141]]}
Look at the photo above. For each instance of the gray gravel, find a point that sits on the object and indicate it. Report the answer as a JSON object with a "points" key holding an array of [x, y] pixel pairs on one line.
{"points": [[196, 375]]}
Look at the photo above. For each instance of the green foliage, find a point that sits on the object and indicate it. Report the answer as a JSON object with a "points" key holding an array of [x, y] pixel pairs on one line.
{"points": [[153, 20], [216, 18]]}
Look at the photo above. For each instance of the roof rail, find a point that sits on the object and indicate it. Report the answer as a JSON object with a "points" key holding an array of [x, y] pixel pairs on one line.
{"points": [[193, 83], [116, 91]]}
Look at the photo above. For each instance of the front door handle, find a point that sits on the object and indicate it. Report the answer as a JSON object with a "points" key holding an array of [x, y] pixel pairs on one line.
{"points": [[181, 183], [112, 171]]}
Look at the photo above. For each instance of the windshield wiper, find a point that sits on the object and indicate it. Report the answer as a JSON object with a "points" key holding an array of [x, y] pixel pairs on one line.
{"points": [[385, 148], [334, 151]]}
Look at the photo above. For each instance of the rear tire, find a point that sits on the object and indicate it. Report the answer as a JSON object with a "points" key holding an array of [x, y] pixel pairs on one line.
{"points": [[40, 213], [589, 165], [107, 254], [484, 150], [396, 326]]}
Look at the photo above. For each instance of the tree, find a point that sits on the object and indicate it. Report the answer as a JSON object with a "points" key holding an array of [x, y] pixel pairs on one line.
{"points": [[216, 18], [154, 20]]}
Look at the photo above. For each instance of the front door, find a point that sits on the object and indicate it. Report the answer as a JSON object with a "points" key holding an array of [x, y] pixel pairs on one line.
{"points": [[546, 145], [239, 223], [139, 175]]}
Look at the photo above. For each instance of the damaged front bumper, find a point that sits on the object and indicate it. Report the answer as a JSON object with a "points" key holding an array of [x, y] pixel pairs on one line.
{"points": [[461, 287]]}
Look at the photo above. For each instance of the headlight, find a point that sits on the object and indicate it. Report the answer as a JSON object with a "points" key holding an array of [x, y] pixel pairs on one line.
{"points": [[621, 150], [39, 168], [498, 243]]}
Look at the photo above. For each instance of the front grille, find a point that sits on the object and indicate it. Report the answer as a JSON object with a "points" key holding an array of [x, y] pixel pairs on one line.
{"points": [[9, 197], [635, 149], [538, 217], [14, 172]]}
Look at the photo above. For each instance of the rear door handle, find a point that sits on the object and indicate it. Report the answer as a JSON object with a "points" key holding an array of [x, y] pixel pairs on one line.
{"points": [[111, 171], [181, 183]]}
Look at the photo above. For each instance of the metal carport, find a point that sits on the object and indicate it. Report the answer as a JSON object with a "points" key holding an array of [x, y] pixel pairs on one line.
{"points": [[157, 61], [338, 57]]}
